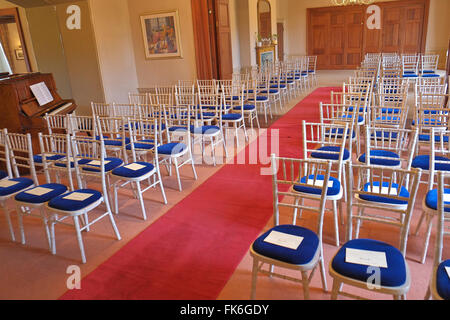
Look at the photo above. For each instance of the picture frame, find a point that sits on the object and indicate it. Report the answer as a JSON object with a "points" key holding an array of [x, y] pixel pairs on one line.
{"points": [[161, 35], [19, 54]]}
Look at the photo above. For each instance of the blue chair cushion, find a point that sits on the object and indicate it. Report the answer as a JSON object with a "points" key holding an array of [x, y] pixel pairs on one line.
{"points": [[409, 75], [423, 162], [430, 75], [391, 110], [146, 144], [392, 276], [247, 107], [443, 280], [272, 91], [339, 131], [386, 134], [349, 116], [428, 71], [110, 164], [116, 143], [232, 117], [282, 86], [3, 174], [426, 137], [388, 118], [123, 171], [60, 203], [178, 128], [302, 255], [38, 157], [205, 130], [331, 191], [378, 198], [260, 98], [172, 148], [22, 184], [56, 189], [330, 156], [374, 154], [431, 199]]}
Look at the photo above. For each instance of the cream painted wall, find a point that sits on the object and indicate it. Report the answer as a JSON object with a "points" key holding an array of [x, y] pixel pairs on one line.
{"points": [[235, 37], [81, 57], [438, 33], [111, 24], [48, 47], [163, 71]]}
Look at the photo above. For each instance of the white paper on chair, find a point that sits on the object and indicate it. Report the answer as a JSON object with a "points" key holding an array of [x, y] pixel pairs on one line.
{"points": [[78, 196], [366, 257], [384, 190], [8, 183], [319, 183], [447, 197], [38, 191], [97, 162], [134, 166], [284, 240], [448, 271]]}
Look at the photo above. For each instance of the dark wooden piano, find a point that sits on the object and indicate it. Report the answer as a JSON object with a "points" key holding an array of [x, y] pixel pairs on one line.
{"points": [[19, 109]]}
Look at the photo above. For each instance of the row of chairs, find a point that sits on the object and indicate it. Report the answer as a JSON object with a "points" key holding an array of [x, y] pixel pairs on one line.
{"points": [[385, 177]]}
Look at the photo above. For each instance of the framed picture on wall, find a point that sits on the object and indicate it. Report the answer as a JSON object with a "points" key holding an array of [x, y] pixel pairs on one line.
{"points": [[19, 54], [161, 35]]}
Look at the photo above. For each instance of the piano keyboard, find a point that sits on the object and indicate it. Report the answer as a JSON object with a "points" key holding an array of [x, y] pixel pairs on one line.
{"points": [[62, 108]]}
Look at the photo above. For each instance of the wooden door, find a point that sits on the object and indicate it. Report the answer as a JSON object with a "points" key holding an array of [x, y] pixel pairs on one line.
{"points": [[413, 24], [336, 39], [223, 36], [280, 38], [318, 37], [392, 30], [354, 31], [265, 24]]}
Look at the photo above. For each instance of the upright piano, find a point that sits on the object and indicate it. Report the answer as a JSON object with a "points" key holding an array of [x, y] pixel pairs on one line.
{"points": [[20, 110]]}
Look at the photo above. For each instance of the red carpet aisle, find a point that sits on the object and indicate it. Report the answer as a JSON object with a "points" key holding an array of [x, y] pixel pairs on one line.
{"points": [[191, 251]]}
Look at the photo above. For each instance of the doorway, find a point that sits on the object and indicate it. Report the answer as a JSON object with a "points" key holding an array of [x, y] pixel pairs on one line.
{"points": [[212, 38], [280, 38], [14, 57]]}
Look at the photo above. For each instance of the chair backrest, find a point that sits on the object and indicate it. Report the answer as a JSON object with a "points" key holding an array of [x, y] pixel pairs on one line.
{"points": [[144, 136], [56, 155], [439, 152], [410, 63], [443, 213], [137, 98], [396, 140], [391, 110], [101, 109], [373, 189], [57, 123], [126, 110], [4, 152], [429, 63], [308, 173], [81, 125], [181, 118], [112, 129], [326, 135], [92, 153], [21, 154], [433, 99]]}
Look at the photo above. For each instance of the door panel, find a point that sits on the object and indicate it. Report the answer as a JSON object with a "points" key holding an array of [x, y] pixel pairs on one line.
{"points": [[339, 37], [224, 40]]}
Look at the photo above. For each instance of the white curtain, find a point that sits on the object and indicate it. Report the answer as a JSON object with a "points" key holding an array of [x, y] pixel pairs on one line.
{"points": [[4, 64]]}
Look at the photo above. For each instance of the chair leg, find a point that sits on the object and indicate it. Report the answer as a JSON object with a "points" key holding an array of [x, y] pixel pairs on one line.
{"points": [[8, 219], [141, 200], [52, 234], [175, 162], [337, 286], [429, 220], [294, 218], [428, 294], [322, 272], [336, 222], [254, 278], [79, 238], [163, 193], [47, 231], [422, 216], [19, 210], [305, 285]]}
